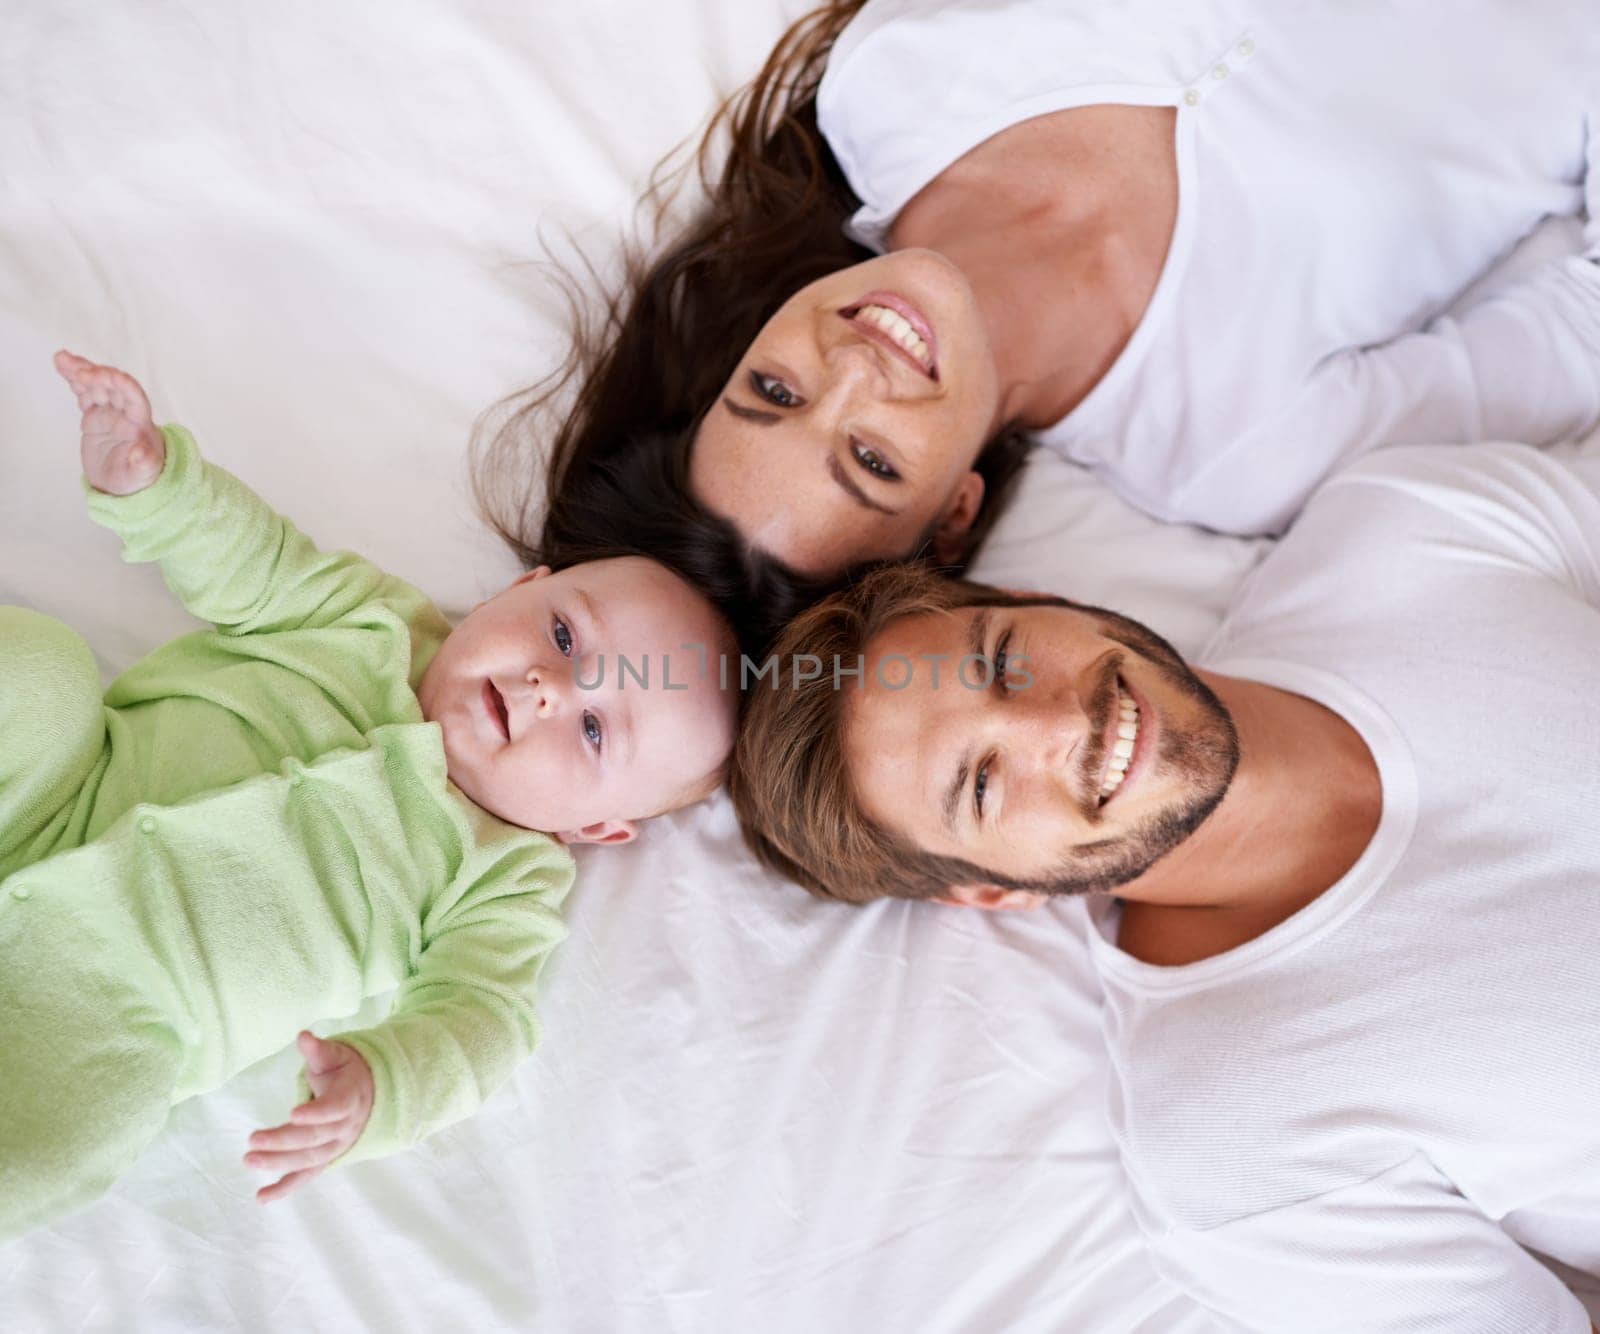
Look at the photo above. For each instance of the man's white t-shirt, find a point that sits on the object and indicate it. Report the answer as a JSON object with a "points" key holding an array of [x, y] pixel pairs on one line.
{"points": [[1349, 1123], [1345, 172]]}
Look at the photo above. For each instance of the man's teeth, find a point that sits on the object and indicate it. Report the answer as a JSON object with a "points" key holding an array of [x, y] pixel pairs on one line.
{"points": [[898, 328], [1122, 748]]}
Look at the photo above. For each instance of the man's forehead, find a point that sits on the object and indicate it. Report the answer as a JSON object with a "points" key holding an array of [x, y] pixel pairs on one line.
{"points": [[921, 632], [894, 721]]}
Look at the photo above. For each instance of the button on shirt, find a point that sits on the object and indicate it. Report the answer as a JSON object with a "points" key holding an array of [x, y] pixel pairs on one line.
{"points": [[1344, 173]]}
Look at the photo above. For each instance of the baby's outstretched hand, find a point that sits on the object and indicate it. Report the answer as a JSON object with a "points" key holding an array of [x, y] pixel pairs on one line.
{"points": [[122, 450], [318, 1131]]}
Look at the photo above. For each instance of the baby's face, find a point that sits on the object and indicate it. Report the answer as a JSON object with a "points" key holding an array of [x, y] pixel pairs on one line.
{"points": [[545, 727]]}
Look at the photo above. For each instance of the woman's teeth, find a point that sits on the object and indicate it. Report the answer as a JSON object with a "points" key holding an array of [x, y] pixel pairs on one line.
{"points": [[898, 328], [1122, 748]]}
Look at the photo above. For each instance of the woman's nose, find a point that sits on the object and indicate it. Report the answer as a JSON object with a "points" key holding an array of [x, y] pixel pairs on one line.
{"points": [[854, 366]]}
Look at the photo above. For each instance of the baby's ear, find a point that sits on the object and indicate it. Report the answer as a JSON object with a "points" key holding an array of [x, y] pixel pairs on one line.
{"points": [[602, 831], [538, 572]]}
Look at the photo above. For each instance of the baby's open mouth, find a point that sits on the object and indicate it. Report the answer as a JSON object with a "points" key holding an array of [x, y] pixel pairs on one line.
{"points": [[495, 704]]}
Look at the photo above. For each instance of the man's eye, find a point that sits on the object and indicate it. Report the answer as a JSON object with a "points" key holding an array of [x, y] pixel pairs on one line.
{"points": [[874, 462], [980, 785], [562, 636], [591, 729], [1001, 653], [774, 390]]}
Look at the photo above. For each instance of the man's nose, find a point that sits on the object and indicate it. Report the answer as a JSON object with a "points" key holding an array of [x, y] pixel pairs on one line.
{"points": [[1056, 725]]}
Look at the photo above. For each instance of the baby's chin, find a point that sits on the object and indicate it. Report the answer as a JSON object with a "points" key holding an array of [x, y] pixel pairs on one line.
{"points": [[485, 794]]}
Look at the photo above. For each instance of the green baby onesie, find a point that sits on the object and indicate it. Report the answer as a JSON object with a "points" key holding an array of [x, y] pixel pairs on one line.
{"points": [[252, 830]]}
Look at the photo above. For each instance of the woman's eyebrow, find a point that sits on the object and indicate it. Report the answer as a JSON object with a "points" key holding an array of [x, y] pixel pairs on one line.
{"points": [[750, 414], [837, 472]]}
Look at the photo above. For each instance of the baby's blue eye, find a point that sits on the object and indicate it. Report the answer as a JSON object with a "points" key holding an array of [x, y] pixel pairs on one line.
{"points": [[591, 729], [563, 637]]}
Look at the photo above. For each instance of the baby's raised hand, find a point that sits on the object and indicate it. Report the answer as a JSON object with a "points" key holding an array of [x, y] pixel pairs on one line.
{"points": [[122, 450], [318, 1131]]}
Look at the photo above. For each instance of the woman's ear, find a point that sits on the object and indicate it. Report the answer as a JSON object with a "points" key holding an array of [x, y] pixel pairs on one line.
{"points": [[992, 898], [602, 831], [950, 534]]}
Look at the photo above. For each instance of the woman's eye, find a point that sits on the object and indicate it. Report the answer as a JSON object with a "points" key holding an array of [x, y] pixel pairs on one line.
{"points": [[1001, 654], [591, 729], [980, 785], [774, 390], [874, 462], [562, 636]]}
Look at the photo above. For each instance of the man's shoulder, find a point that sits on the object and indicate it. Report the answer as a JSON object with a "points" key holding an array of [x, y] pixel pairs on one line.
{"points": [[1470, 481], [1520, 507]]}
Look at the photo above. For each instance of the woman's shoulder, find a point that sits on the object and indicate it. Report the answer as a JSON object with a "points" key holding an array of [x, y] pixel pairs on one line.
{"points": [[950, 46], [911, 85]]}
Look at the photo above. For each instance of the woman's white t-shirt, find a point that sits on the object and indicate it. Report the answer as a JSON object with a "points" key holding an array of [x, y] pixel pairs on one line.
{"points": [[1351, 1122], [1345, 170]]}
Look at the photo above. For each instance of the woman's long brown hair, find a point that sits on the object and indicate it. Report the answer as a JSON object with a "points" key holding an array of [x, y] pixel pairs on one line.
{"points": [[621, 412]]}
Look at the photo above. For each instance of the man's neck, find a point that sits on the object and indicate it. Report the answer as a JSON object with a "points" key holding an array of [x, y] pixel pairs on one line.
{"points": [[1301, 809]]}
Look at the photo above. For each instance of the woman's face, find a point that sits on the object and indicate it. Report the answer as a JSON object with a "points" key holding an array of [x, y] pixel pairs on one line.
{"points": [[849, 429]]}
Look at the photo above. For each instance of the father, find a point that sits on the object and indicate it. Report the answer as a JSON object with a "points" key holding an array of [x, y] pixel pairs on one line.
{"points": [[1352, 968]]}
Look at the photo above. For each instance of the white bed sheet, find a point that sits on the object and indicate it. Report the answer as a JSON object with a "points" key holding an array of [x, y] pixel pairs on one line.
{"points": [[307, 227]]}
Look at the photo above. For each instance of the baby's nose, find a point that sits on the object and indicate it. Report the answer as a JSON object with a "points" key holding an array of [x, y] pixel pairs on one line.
{"points": [[546, 698]]}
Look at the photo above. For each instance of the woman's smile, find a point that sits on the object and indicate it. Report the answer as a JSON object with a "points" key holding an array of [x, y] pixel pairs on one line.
{"points": [[891, 320]]}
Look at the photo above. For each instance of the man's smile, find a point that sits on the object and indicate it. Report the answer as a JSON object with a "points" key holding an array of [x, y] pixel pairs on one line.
{"points": [[1121, 741]]}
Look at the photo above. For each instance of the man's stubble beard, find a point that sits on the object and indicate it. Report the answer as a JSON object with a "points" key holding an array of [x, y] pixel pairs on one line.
{"points": [[1202, 757]]}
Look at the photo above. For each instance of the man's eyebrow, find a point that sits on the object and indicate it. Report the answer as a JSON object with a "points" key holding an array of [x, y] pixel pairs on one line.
{"points": [[952, 794], [836, 470], [977, 636], [750, 414], [978, 632]]}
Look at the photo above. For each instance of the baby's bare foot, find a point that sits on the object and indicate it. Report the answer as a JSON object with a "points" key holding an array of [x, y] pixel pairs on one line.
{"points": [[121, 449]]}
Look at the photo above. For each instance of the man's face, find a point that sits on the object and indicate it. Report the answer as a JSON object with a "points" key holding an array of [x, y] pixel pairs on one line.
{"points": [[1094, 752]]}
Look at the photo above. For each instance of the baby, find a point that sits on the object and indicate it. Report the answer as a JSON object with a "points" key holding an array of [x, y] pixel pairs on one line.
{"points": [[327, 795]]}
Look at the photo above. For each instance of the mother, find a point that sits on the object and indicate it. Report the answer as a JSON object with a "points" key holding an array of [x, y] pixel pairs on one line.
{"points": [[1195, 246]]}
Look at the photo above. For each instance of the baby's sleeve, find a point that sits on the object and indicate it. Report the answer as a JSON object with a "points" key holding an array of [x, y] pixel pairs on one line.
{"points": [[235, 561], [1400, 1253], [465, 1018]]}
